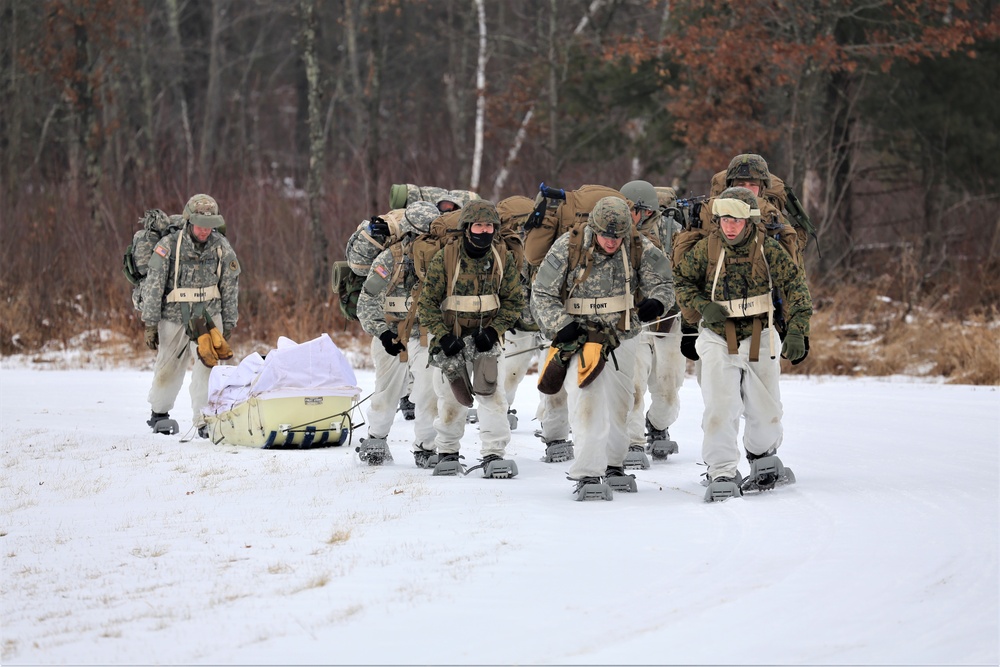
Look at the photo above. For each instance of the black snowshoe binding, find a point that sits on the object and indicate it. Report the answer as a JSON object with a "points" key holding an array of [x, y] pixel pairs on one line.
{"points": [[449, 465], [591, 488], [766, 472], [557, 451], [472, 416], [425, 458], [161, 422], [374, 451], [203, 432], [723, 488], [658, 443], [616, 478], [495, 467], [512, 418], [636, 458], [407, 407]]}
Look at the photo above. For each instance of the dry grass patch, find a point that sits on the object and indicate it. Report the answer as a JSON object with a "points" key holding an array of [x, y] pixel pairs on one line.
{"points": [[339, 536]]}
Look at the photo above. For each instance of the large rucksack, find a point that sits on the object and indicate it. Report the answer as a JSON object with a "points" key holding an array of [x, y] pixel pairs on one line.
{"points": [[348, 276], [783, 198], [556, 212], [135, 263]]}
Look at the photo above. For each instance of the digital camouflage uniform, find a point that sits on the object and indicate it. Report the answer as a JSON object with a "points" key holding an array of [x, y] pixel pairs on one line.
{"points": [[598, 412], [731, 384], [211, 265], [383, 305], [476, 277]]}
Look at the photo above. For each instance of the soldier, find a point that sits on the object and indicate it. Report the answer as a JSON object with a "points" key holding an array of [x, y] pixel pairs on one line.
{"points": [[583, 298], [471, 295], [659, 363], [387, 311], [727, 277], [193, 273]]}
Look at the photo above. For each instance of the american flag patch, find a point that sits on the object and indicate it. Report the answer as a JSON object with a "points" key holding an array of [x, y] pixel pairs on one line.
{"points": [[161, 251], [382, 271]]}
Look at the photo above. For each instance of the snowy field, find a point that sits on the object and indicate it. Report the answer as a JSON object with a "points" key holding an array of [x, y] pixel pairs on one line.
{"points": [[124, 547]]}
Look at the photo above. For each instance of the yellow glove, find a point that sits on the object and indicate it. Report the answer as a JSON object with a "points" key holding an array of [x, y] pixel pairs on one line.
{"points": [[206, 350], [591, 363], [222, 349]]}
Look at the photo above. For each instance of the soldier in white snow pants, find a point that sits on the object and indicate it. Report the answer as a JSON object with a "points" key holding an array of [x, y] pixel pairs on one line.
{"points": [[172, 361]]}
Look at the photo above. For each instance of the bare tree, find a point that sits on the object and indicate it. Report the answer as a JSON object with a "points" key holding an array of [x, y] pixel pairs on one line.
{"points": [[477, 153], [316, 144]]}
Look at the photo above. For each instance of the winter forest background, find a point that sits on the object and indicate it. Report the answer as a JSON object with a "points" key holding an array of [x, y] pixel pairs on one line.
{"points": [[298, 116]]}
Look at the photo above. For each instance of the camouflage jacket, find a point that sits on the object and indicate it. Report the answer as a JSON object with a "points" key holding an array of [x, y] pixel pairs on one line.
{"points": [[737, 282], [472, 272], [606, 279], [660, 231], [210, 264], [385, 282]]}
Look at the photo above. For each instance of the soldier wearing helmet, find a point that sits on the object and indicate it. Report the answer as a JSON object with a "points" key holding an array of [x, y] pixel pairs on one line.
{"points": [[728, 278], [584, 299], [193, 277], [471, 294], [660, 366], [387, 310]]}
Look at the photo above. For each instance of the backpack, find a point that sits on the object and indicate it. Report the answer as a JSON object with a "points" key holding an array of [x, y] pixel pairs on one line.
{"points": [[556, 212], [783, 197], [347, 284], [445, 232], [347, 277], [135, 263]]}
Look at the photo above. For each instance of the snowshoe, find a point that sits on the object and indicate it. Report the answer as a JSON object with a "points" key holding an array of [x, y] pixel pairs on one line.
{"points": [[472, 416], [658, 443], [636, 458], [448, 465], [425, 458], [616, 478], [766, 472], [557, 451], [203, 432], [591, 488], [723, 488], [495, 467], [512, 418], [161, 422], [374, 451], [407, 407]]}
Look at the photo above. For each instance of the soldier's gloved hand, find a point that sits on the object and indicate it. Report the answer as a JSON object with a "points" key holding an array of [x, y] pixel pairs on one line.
{"points": [[486, 339], [391, 346], [714, 313], [804, 354], [794, 347], [227, 330], [569, 332], [689, 334], [650, 309], [451, 344], [378, 227], [152, 336]]}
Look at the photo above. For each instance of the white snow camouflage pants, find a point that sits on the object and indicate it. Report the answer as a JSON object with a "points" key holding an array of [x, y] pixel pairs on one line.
{"points": [[391, 383], [173, 357], [598, 413], [660, 367], [552, 412], [732, 386], [494, 429]]}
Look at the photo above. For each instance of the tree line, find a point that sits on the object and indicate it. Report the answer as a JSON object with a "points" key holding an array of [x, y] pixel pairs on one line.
{"points": [[298, 116]]}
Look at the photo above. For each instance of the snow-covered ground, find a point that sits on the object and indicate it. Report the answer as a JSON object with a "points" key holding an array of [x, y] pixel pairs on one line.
{"points": [[120, 546]]}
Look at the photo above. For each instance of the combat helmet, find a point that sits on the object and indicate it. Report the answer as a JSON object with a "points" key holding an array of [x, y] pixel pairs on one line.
{"points": [[610, 217], [666, 197], [419, 215], [748, 167], [203, 211], [642, 195], [736, 203], [479, 210]]}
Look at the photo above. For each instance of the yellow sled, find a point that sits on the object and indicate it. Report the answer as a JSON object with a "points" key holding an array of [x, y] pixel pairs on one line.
{"points": [[296, 422]]}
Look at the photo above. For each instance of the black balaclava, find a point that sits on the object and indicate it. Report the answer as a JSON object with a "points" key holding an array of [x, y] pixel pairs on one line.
{"points": [[477, 245]]}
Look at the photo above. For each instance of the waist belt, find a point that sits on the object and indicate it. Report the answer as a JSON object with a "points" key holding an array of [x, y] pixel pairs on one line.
{"points": [[194, 294], [599, 305], [756, 305], [471, 304]]}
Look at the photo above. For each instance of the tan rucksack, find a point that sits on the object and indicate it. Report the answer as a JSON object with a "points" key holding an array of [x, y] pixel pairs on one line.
{"points": [[554, 216]]}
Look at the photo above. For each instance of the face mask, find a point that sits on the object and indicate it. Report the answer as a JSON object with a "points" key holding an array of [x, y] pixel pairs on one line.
{"points": [[481, 240]]}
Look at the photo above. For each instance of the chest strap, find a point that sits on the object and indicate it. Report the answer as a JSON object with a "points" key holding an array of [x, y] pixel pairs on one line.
{"points": [[755, 307]]}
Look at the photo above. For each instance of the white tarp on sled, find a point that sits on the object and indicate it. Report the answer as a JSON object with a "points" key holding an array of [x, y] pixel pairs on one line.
{"points": [[299, 395]]}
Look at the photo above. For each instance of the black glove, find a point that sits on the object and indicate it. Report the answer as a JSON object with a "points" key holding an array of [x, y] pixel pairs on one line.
{"points": [[451, 344], [688, 338], [486, 339], [650, 309], [803, 357], [569, 332], [378, 227], [152, 336], [391, 346]]}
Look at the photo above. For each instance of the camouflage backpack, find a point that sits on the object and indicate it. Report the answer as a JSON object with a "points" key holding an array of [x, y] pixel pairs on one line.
{"points": [[556, 212], [135, 263], [784, 199], [348, 276]]}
